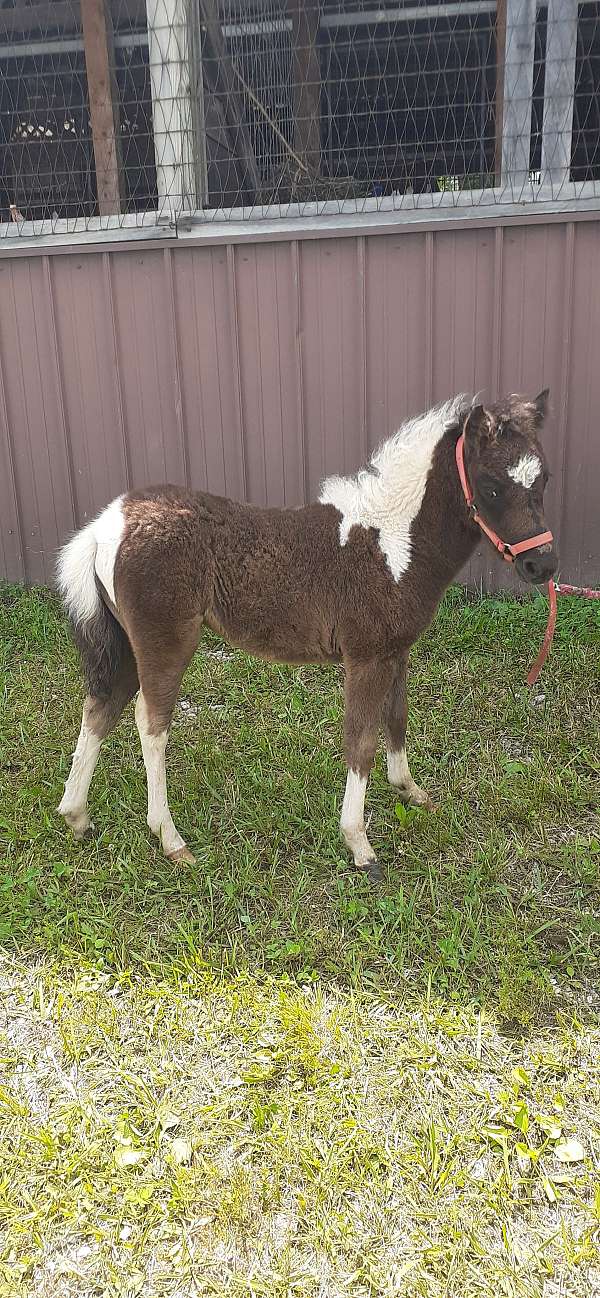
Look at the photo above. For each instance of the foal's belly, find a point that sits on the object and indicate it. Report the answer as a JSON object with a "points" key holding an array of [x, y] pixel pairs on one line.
{"points": [[279, 645]]}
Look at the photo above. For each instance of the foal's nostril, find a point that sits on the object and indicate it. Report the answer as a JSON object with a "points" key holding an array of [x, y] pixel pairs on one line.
{"points": [[539, 568]]}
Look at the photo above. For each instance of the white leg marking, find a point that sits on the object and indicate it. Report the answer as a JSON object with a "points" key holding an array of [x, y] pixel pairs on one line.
{"points": [[352, 820], [160, 820], [397, 767], [73, 805], [399, 775]]}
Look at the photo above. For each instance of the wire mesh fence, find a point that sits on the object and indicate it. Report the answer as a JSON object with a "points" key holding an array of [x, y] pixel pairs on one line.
{"points": [[138, 111]]}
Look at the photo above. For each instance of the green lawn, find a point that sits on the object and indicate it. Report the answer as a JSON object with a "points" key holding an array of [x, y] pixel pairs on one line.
{"points": [[259, 1075]]}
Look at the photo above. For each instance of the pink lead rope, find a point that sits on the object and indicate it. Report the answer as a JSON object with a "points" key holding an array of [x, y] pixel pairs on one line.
{"points": [[548, 636], [510, 552], [556, 588]]}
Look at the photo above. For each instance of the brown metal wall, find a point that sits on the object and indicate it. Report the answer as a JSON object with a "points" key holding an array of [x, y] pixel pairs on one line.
{"points": [[253, 369]]}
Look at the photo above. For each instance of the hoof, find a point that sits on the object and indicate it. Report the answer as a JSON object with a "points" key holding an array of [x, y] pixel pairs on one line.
{"points": [[78, 821], [182, 856], [413, 797], [373, 870], [80, 832]]}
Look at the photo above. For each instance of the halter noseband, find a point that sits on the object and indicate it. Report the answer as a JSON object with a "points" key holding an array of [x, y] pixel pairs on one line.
{"points": [[508, 551]]}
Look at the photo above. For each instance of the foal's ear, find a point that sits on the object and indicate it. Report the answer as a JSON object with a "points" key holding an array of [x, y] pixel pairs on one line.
{"points": [[479, 424], [542, 405]]}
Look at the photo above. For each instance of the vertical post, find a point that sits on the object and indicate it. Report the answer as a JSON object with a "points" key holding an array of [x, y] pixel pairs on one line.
{"points": [[225, 82], [306, 74], [559, 91], [197, 105], [104, 105], [518, 92], [172, 49], [499, 99]]}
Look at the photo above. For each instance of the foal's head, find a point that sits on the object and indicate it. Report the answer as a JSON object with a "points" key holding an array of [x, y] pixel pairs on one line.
{"points": [[508, 474]]}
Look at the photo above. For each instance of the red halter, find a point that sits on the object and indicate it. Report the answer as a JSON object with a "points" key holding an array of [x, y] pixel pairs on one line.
{"points": [[510, 553]]}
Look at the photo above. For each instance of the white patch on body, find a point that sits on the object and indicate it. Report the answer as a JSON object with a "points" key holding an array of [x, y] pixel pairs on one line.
{"points": [[525, 472], [388, 494], [74, 800], [352, 820], [92, 550], [108, 530], [160, 820]]}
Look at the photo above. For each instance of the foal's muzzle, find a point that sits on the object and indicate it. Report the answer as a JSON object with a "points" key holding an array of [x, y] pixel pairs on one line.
{"points": [[537, 566]]}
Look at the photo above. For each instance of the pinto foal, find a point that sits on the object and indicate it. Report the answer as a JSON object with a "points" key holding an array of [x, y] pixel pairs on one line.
{"points": [[354, 578]]}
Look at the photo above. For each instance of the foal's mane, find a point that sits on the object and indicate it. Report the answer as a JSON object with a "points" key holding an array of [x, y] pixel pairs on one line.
{"points": [[415, 439], [387, 493], [432, 423]]}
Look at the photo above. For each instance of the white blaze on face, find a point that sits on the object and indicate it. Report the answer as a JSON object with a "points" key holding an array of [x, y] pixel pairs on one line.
{"points": [[526, 470]]}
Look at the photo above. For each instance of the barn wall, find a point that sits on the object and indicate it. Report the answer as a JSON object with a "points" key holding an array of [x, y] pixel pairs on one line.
{"points": [[254, 368]]}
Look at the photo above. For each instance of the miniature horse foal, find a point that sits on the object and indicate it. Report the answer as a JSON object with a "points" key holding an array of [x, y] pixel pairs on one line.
{"points": [[354, 578]]}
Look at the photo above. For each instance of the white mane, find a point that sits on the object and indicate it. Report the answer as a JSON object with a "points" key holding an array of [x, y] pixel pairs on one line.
{"points": [[388, 494]]}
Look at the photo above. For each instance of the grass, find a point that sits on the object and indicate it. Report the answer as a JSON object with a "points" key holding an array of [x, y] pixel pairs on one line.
{"points": [[259, 1076]]}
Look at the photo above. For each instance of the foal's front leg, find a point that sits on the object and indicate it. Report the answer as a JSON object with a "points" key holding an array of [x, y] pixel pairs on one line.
{"points": [[366, 687], [395, 715]]}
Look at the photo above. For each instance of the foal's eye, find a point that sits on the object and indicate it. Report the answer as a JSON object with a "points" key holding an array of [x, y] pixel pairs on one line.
{"points": [[489, 488]]}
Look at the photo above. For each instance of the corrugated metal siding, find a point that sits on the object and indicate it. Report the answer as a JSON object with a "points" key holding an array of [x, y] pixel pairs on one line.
{"points": [[254, 369]]}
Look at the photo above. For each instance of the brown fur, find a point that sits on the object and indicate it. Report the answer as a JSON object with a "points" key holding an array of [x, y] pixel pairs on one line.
{"points": [[278, 583]]}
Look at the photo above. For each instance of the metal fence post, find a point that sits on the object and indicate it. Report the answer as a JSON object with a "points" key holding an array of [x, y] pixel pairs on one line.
{"points": [[176, 82], [518, 91], [559, 91]]}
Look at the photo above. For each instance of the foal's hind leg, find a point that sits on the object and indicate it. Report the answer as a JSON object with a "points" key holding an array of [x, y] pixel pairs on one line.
{"points": [[161, 669], [100, 716], [366, 687], [395, 715]]}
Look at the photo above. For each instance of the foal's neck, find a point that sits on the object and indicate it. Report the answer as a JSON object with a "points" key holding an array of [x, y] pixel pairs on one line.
{"points": [[443, 535]]}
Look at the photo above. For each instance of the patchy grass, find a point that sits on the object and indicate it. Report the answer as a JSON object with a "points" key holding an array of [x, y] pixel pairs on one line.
{"points": [[259, 1076]]}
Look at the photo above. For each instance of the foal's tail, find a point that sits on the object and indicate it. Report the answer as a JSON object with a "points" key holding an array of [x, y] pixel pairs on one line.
{"points": [[100, 639]]}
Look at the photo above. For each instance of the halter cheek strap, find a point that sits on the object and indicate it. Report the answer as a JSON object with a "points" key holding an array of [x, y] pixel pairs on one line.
{"points": [[509, 550]]}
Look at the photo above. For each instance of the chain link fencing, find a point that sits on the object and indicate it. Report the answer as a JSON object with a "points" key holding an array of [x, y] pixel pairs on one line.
{"points": [[131, 112]]}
